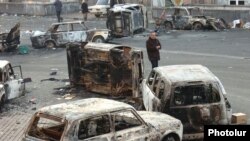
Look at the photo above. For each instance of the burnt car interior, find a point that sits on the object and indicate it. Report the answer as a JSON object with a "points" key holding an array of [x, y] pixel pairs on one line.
{"points": [[106, 71], [10, 41], [195, 94], [47, 127], [124, 120], [95, 126]]}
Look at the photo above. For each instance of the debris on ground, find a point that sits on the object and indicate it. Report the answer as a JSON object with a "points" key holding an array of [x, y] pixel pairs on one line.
{"points": [[237, 23], [69, 96]]}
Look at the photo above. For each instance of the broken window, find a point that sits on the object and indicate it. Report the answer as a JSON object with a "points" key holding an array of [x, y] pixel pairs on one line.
{"points": [[94, 127], [47, 128], [78, 27], [196, 94], [124, 120]]}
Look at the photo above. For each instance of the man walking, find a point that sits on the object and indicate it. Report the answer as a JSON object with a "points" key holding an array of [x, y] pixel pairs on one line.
{"points": [[85, 9], [58, 7], [153, 46]]}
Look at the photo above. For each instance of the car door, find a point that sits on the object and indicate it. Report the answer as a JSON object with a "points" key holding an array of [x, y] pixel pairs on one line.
{"points": [[77, 33], [149, 87], [181, 18], [60, 34], [96, 128], [128, 126], [14, 85]]}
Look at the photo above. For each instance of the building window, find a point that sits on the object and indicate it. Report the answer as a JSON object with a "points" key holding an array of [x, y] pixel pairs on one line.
{"points": [[241, 2], [232, 2]]}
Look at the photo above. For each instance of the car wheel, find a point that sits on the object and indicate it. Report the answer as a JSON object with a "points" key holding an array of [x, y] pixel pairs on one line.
{"points": [[197, 26], [50, 44], [97, 15], [98, 39], [168, 26], [169, 138]]}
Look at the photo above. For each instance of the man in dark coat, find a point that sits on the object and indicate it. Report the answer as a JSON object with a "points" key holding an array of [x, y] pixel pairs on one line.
{"points": [[85, 9], [58, 7], [153, 47]]}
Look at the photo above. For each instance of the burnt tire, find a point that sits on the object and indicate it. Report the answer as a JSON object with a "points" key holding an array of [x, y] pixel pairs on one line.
{"points": [[98, 39], [168, 26], [197, 26], [170, 137], [50, 44]]}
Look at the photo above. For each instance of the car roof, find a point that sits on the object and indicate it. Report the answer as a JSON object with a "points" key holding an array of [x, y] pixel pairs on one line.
{"points": [[83, 108], [102, 46], [3, 63], [186, 73]]}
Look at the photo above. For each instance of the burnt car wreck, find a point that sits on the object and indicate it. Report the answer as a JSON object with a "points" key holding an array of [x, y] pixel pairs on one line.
{"points": [[10, 41], [126, 19], [106, 68], [108, 120], [190, 93], [60, 34], [187, 18]]}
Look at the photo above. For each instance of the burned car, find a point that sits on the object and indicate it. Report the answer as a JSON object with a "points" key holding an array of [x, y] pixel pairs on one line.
{"points": [[188, 18], [59, 34], [99, 119], [12, 83], [10, 41], [126, 19], [110, 69], [190, 93]]}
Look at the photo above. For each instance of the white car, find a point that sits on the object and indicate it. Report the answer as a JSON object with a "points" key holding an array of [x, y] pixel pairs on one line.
{"points": [[102, 6]]}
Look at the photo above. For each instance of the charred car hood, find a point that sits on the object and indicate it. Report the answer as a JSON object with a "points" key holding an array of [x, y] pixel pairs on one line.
{"points": [[160, 121], [37, 33]]}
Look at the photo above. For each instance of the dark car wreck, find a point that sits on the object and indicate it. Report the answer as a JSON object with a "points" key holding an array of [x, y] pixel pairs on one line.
{"points": [[127, 19], [59, 34], [106, 68], [97, 119], [188, 18], [191, 93], [10, 41]]}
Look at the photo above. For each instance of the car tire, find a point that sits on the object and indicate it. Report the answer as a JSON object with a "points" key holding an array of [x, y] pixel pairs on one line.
{"points": [[197, 26], [50, 44], [98, 39], [97, 15], [170, 138], [168, 26]]}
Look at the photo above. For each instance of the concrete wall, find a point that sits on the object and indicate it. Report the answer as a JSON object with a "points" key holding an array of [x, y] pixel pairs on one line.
{"points": [[37, 8]]}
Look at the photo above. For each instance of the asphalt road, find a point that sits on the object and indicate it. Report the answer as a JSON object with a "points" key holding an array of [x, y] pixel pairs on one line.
{"points": [[226, 54]]}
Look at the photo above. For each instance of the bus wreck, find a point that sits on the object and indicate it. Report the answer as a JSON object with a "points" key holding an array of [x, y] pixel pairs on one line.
{"points": [[109, 69]]}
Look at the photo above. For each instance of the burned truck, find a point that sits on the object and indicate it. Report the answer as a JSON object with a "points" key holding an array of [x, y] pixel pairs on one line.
{"points": [[9, 41], [109, 69]]}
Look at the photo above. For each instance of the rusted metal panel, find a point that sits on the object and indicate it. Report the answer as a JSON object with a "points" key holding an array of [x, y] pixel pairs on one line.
{"points": [[106, 68]]}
